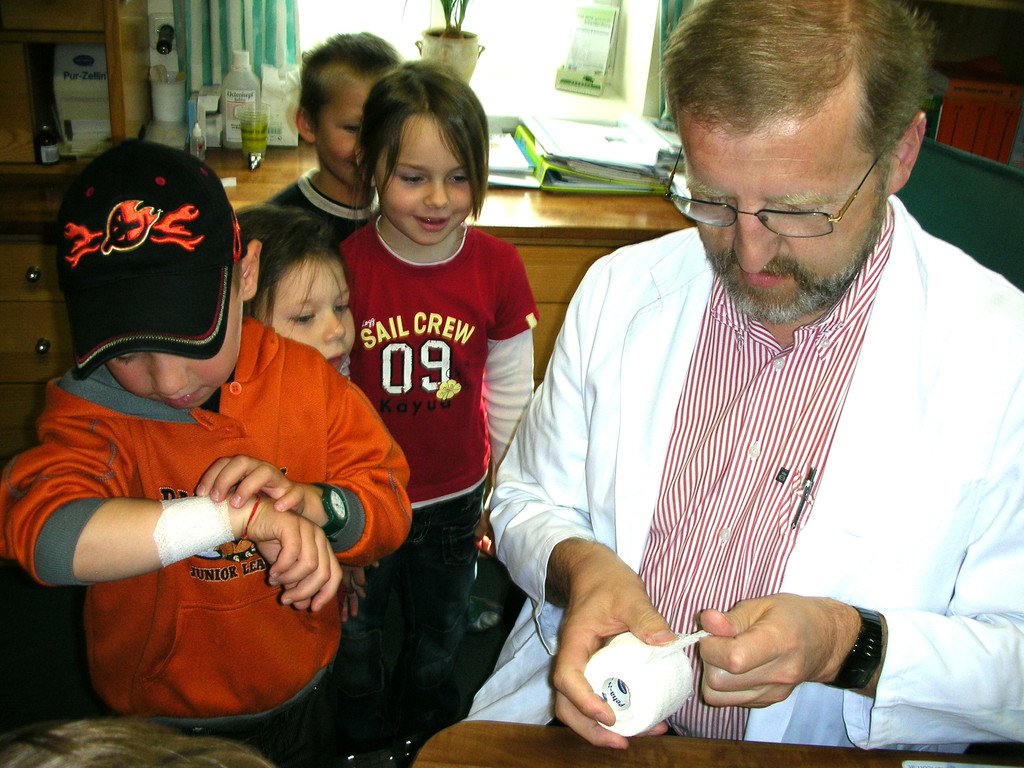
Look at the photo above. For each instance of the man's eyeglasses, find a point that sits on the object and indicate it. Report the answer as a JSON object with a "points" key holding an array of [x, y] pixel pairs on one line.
{"points": [[785, 223]]}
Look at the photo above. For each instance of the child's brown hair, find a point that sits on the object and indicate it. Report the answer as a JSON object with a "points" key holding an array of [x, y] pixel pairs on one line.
{"points": [[418, 88], [360, 55], [290, 237]]}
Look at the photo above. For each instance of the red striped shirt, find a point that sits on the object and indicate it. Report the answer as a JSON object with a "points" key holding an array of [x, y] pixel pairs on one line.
{"points": [[753, 422]]}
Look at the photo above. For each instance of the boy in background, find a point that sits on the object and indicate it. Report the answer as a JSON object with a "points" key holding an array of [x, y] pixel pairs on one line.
{"points": [[336, 77], [201, 489]]}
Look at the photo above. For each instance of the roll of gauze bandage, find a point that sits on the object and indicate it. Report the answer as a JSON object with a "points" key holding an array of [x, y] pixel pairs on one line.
{"points": [[643, 684]]}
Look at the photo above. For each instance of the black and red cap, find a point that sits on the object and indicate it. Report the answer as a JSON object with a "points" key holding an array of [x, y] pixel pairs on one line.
{"points": [[147, 241]]}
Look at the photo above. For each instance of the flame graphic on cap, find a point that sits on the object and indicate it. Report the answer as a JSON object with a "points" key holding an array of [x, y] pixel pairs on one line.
{"points": [[130, 224]]}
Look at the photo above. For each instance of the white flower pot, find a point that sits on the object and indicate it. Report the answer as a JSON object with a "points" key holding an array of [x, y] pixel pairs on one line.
{"points": [[460, 54]]}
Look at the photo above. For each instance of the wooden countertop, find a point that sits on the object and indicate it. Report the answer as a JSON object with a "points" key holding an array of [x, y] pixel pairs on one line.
{"points": [[30, 197], [480, 744]]}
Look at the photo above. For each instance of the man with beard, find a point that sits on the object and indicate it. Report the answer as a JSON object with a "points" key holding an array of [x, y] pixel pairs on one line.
{"points": [[797, 426]]}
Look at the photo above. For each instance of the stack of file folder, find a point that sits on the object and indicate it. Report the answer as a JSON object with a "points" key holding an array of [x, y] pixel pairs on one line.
{"points": [[629, 156], [508, 165]]}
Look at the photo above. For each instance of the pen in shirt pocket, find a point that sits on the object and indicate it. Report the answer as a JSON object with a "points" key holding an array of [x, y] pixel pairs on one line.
{"points": [[808, 485]]}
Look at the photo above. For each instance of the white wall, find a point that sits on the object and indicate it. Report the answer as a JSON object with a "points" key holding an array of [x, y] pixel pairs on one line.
{"points": [[525, 42]]}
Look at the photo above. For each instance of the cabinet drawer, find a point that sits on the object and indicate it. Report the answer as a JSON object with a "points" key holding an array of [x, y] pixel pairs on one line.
{"points": [[554, 271], [28, 271], [73, 15], [36, 342]]}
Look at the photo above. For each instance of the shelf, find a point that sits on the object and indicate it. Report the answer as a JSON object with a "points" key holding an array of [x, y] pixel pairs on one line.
{"points": [[26, 77], [24, 173], [31, 36]]}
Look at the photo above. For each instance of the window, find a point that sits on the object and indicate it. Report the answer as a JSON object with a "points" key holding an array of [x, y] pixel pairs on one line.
{"points": [[524, 44]]}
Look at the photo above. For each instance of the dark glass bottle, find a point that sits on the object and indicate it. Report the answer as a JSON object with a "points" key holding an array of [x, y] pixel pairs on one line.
{"points": [[47, 146]]}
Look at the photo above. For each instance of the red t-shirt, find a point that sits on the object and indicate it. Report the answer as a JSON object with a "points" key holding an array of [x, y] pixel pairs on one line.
{"points": [[422, 333]]}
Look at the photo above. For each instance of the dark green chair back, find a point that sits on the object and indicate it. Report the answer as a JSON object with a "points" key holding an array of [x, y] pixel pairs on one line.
{"points": [[973, 202]]}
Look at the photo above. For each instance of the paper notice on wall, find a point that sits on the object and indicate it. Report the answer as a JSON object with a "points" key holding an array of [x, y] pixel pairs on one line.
{"points": [[591, 51]]}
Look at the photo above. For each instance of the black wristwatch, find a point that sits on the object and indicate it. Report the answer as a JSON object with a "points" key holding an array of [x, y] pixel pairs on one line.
{"points": [[335, 507], [865, 657]]}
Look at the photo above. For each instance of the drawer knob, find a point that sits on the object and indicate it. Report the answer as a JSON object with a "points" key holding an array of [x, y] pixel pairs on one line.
{"points": [[32, 274], [42, 346]]}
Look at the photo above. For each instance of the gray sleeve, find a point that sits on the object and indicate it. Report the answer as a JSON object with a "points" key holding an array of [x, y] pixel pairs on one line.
{"points": [[55, 547], [352, 531]]}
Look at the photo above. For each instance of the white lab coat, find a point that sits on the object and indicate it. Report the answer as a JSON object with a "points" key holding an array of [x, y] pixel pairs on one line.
{"points": [[919, 515]]}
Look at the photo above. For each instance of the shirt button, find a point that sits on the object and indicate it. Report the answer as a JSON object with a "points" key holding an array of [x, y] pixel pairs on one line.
{"points": [[754, 450], [779, 363], [235, 388], [724, 535]]}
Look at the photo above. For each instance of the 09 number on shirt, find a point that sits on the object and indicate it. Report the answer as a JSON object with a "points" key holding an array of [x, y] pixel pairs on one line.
{"points": [[397, 362]]}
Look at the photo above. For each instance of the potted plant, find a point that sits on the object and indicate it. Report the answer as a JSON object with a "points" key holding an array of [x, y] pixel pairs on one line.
{"points": [[450, 45]]}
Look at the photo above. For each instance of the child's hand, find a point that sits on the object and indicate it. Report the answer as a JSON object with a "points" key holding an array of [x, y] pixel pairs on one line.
{"points": [[353, 581], [240, 478], [484, 533], [300, 556]]}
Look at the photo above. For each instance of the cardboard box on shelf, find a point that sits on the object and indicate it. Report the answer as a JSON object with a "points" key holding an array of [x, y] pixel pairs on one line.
{"points": [[979, 108], [980, 79]]}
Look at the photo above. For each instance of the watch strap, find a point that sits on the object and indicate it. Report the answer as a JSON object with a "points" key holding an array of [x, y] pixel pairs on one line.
{"points": [[335, 521], [865, 657]]}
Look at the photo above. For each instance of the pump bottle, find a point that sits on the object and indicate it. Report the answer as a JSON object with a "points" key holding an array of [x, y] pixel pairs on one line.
{"points": [[240, 87]]}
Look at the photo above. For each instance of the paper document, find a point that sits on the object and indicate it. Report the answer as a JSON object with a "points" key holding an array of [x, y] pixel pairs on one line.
{"points": [[508, 164], [506, 156], [591, 46], [630, 142]]}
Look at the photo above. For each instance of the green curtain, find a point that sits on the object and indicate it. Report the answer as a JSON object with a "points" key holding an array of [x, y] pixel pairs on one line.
{"points": [[268, 29], [670, 11]]}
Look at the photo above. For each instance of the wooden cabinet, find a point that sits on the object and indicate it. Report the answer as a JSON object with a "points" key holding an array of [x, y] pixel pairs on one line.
{"points": [[35, 341], [35, 345], [28, 33], [16, 121]]}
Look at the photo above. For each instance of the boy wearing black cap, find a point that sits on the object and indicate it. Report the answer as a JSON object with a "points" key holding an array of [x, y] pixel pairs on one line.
{"points": [[196, 469]]}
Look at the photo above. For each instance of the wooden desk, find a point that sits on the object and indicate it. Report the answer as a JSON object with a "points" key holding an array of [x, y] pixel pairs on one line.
{"points": [[477, 744], [512, 214]]}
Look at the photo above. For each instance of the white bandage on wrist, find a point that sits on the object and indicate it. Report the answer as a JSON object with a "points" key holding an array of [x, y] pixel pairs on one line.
{"points": [[190, 526]]}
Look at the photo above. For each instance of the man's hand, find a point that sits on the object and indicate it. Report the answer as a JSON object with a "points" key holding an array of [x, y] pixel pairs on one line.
{"points": [[603, 597], [763, 648]]}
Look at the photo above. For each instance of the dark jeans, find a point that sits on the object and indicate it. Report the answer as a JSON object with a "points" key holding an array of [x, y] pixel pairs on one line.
{"points": [[300, 736], [432, 573]]}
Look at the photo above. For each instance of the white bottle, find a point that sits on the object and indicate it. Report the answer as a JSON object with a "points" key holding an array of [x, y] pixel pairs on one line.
{"points": [[197, 142], [240, 86]]}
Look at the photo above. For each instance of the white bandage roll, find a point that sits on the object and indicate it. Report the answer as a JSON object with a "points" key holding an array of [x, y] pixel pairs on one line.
{"points": [[643, 684], [191, 526]]}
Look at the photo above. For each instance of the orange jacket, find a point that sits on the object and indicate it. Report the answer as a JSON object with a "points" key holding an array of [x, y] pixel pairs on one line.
{"points": [[207, 637]]}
